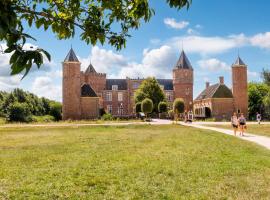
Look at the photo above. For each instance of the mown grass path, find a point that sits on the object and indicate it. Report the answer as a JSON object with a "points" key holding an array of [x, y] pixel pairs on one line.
{"points": [[130, 162]]}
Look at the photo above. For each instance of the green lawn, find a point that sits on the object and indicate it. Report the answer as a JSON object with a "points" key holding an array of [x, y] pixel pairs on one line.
{"points": [[258, 129], [134, 162]]}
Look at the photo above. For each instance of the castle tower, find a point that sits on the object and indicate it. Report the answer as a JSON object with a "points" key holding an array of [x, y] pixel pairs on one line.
{"points": [[239, 86], [71, 87], [183, 81]]}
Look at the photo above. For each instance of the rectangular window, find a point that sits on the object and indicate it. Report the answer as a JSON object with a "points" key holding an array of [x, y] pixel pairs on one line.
{"points": [[114, 87], [120, 96], [108, 96], [120, 109], [136, 85], [168, 96], [109, 108]]}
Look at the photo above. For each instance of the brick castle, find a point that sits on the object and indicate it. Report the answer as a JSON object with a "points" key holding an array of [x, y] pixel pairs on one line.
{"points": [[84, 93]]}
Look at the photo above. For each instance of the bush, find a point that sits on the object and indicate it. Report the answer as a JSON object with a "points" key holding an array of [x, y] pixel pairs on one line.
{"points": [[147, 106], [45, 118], [171, 114], [19, 112], [178, 106], [107, 117], [162, 107], [56, 110], [102, 112], [138, 107]]}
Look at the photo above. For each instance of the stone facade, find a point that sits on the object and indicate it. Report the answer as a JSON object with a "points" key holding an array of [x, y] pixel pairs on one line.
{"points": [[84, 93]]}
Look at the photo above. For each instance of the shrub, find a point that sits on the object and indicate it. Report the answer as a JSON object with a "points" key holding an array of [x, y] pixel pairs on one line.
{"points": [[102, 112], [178, 106], [19, 112], [45, 118], [107, 117], [162, 107], [171, 114], [56, 110], [138, 107], [147, 106]]}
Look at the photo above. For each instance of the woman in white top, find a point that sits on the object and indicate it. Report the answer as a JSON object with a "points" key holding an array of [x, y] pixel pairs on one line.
{"points": [[242, 124], [234, 121]]}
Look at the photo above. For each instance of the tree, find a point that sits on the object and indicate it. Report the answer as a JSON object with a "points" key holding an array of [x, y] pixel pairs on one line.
{"points": [[162, 107], [138, 107], [147, 106], [257, 92], [56, 110], [150, 89], [178, 106], [266, 76], [96, 21], [19, 112]]}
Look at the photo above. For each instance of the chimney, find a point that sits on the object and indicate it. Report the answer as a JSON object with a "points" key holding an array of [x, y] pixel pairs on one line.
{"points": [[221, 80], [207, 84]]}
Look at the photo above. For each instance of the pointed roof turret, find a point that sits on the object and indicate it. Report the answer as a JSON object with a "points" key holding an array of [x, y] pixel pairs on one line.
{"points": [[183, 62], [90, 69], [239, 62], [71, 56]]}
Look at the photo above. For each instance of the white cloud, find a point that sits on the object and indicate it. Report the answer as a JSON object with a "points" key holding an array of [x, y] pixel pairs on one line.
{"points": [[198, 26], [191, 31], [207, 45], [44, 86], [261, 40], [103, 60], [252, 74], [213, 65], [156, 62], [171, 22]]}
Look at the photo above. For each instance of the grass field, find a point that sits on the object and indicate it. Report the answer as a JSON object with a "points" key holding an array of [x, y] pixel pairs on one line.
{"points": [[132, 162], [262, 129]]}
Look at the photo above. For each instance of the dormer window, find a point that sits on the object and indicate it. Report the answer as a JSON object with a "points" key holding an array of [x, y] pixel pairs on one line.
{"points": [[114, 87]]}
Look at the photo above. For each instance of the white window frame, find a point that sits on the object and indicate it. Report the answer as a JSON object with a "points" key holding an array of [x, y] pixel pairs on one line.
{"points": [[120, 96], [114, 87], [120, 109], [108, 96], [109, 108], [168, 96]]}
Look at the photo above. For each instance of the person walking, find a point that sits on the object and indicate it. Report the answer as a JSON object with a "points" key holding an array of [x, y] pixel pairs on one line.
{"points": [[234, 121], [242, 124], [258, 118]]}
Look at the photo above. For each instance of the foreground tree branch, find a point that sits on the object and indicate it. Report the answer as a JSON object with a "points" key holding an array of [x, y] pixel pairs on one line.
{"points": [[97, 20]]}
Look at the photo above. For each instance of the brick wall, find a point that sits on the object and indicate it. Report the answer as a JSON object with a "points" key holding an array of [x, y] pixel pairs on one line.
{"points": [[71, 90], [183, 86], [89, 107], [240, 94]]}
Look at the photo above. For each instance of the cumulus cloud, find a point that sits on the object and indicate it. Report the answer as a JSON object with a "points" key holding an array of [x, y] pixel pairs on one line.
{"points": [[156, 62], [103, 60], [207, 45], [261, 40], [191, 31], [44, 86], [213, 64], [171, 22]]}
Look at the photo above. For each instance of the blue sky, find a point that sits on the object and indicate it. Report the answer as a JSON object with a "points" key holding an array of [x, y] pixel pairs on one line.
{"points": [[212, 33]]}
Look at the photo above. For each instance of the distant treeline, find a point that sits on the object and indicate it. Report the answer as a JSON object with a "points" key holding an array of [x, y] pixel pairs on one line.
{"points": [[22, 106]]}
